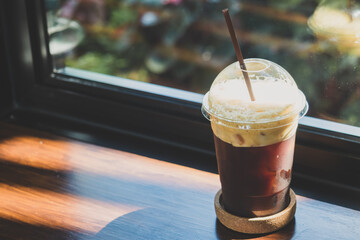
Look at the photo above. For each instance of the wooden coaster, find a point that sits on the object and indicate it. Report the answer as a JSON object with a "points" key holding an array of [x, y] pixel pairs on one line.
{"points": [[255, 225]]}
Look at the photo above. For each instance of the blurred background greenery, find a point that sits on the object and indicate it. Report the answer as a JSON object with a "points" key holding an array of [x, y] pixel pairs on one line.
{"points": [[184, 44]]}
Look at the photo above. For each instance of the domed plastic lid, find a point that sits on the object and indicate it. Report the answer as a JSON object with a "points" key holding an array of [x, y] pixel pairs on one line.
{"points": [[277, 96]]}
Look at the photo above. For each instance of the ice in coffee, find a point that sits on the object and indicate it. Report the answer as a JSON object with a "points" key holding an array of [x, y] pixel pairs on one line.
{"points": [[254, 140]]}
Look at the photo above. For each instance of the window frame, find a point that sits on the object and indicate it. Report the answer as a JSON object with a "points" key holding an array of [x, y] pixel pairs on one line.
{"points": [[172, 117], [5, 94]]}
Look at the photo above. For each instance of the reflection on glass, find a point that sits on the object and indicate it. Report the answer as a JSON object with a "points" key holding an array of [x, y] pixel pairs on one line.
{"points": [[338, 22], [65, 35], [184, 44]]}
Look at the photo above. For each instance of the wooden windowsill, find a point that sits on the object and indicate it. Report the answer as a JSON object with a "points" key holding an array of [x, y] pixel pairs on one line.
{"points": [[56, 188]]}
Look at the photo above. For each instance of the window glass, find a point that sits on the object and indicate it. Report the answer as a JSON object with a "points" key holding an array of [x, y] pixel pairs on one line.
{"points": [[184, 44]]}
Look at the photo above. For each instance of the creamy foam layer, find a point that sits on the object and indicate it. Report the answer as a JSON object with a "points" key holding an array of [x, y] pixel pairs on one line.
{"points": [[237, 120]]}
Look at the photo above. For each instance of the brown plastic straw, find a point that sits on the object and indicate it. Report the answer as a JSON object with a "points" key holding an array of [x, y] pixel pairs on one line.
{"points": [[350, 4], [239, 55]]}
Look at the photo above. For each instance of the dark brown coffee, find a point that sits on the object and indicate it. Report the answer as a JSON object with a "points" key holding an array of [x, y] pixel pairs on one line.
{"points": [[255, 180]]}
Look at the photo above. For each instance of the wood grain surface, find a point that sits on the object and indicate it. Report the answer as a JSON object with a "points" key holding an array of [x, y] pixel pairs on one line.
{"points": [[57, 188]]}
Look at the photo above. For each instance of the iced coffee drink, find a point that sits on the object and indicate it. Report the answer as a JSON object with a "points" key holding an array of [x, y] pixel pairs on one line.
{"points": [[254, 140]]}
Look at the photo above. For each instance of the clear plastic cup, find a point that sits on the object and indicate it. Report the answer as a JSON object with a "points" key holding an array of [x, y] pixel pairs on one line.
{"points": [[254, 140]]}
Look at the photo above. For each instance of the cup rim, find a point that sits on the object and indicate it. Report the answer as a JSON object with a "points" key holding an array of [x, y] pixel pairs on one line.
{"points": [[246, 125]]}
